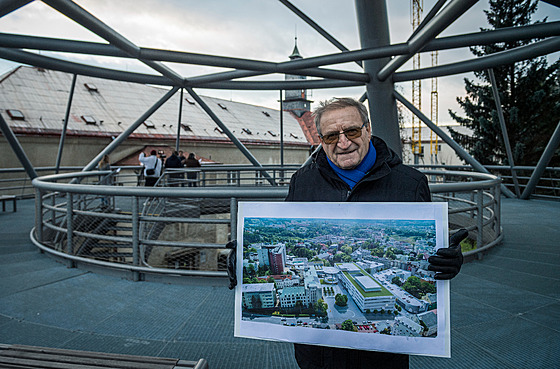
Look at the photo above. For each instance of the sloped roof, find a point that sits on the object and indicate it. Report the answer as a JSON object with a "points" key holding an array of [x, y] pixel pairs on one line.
{"points": [[42, 96]]}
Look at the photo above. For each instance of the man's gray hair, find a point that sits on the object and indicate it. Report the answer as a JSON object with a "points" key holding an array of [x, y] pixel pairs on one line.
{"points": [[339, 103]]}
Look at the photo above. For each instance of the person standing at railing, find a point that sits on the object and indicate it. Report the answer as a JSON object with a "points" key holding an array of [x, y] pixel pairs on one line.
{"points": [[152, 167], [192, 162], [353, 165], [182, 158], [173, 161]]}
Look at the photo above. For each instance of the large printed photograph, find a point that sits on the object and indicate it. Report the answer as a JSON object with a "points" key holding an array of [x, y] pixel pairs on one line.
{"points": [[343, 274]]}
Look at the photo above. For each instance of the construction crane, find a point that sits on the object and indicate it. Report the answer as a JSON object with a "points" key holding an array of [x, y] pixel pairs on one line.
{"points": [[416, 139], [434, 147], [417, 7]]}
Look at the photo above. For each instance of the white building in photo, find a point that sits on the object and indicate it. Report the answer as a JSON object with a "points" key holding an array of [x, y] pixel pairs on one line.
{"points": [[365, 291], [290, 295], [263, 292], [406, 327]]}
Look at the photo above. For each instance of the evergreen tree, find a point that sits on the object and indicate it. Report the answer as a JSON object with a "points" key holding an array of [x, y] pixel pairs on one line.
{"points": [[529, 94]]}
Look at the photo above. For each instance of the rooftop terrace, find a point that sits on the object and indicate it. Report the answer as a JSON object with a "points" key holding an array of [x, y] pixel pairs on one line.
{"points": [[505, 309]]}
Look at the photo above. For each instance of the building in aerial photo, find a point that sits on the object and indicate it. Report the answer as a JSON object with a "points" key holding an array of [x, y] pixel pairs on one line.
{"points": [[367, 293]]}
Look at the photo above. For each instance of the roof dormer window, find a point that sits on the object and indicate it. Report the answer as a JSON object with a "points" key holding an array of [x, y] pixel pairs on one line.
{"points": [[222, 106], [247, 130], [186, 127], [218, 130], [15, 114], [91, 87], [149, 124], [273, 134], [189, 101], [89, 119]]}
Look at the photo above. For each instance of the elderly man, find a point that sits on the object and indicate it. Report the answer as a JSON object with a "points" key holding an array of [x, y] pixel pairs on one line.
{"points": [[353, 165]]}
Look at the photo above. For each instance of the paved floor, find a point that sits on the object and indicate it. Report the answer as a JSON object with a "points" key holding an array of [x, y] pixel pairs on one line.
{"points": [[505, 309]]}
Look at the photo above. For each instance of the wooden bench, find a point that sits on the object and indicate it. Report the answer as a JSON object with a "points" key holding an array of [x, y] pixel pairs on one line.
{"points": [[5, 198], [20, 356]]}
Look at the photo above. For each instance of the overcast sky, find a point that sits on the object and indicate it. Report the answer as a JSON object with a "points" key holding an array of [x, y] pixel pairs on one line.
{"points": [[253, 29]]}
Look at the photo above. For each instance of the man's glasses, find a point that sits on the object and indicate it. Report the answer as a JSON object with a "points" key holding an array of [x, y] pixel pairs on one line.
{"points": [[350, 133]]}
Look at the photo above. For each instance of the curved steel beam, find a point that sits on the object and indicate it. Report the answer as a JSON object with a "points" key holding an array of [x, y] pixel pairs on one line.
{"points": [[281, 85], [46, 62], [534, 50], [539, 30], [6, 7], [316, 72], [440, 22], [87, 70], [249, 67]]}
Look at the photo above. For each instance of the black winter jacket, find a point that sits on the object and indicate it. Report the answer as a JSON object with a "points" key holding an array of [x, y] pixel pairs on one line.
{"points": [[388, 180]]}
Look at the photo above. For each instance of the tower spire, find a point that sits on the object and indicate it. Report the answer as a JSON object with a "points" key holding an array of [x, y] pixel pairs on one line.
{"points": [[295, 53]]}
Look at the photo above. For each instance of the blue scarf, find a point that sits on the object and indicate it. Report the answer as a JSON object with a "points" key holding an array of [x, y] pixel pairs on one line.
{"points": [[353, 176]]}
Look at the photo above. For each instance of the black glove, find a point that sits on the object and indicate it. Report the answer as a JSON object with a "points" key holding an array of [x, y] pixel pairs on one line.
{"points": [[231, 261], [447, 261]]}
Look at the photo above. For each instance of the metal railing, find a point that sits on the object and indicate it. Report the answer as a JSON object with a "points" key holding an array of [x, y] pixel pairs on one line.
{"points": [[183, 230], [547, 188], [228, 175], [14, 181]]}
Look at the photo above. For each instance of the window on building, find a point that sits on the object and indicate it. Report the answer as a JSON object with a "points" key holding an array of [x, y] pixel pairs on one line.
{"points": [[15, 114], [272, 133], [222, 106], [218, 130], [189, 101], [89, 119], [266, 113], [247, 130], [90, 87], [149, 124], [293, 135], [186, 127]]}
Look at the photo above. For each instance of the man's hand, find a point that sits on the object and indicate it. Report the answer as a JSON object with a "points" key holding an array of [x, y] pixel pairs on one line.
{"points": [[447, 261], [231, 261]]}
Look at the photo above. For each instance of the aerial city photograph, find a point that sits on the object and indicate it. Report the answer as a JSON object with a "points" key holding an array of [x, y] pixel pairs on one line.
{"points": [[358, 275]]}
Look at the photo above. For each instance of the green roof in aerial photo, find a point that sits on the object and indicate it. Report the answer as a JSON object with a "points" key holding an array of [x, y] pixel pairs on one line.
{"points": [[351, 278]]}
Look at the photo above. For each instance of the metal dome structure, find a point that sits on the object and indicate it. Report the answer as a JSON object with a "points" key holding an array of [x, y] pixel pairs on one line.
{"points": [[381, 62]]}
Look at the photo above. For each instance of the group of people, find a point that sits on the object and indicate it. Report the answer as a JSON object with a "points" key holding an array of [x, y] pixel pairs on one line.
{"points": [[153, 167]]}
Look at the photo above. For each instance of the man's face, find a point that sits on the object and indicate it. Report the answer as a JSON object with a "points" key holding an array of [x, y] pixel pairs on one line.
{"points": [[345, 153]]}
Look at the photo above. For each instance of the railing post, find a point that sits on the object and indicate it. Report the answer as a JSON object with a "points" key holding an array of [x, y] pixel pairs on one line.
{"points": [[479, 220], [39, 215], [472, 199], [233, 219], [135, 238], [53, 213], [497, 211], [70, 227]]}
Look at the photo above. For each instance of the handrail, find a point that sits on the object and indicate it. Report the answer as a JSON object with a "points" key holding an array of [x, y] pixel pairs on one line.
{"points": [[151, 229]]}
